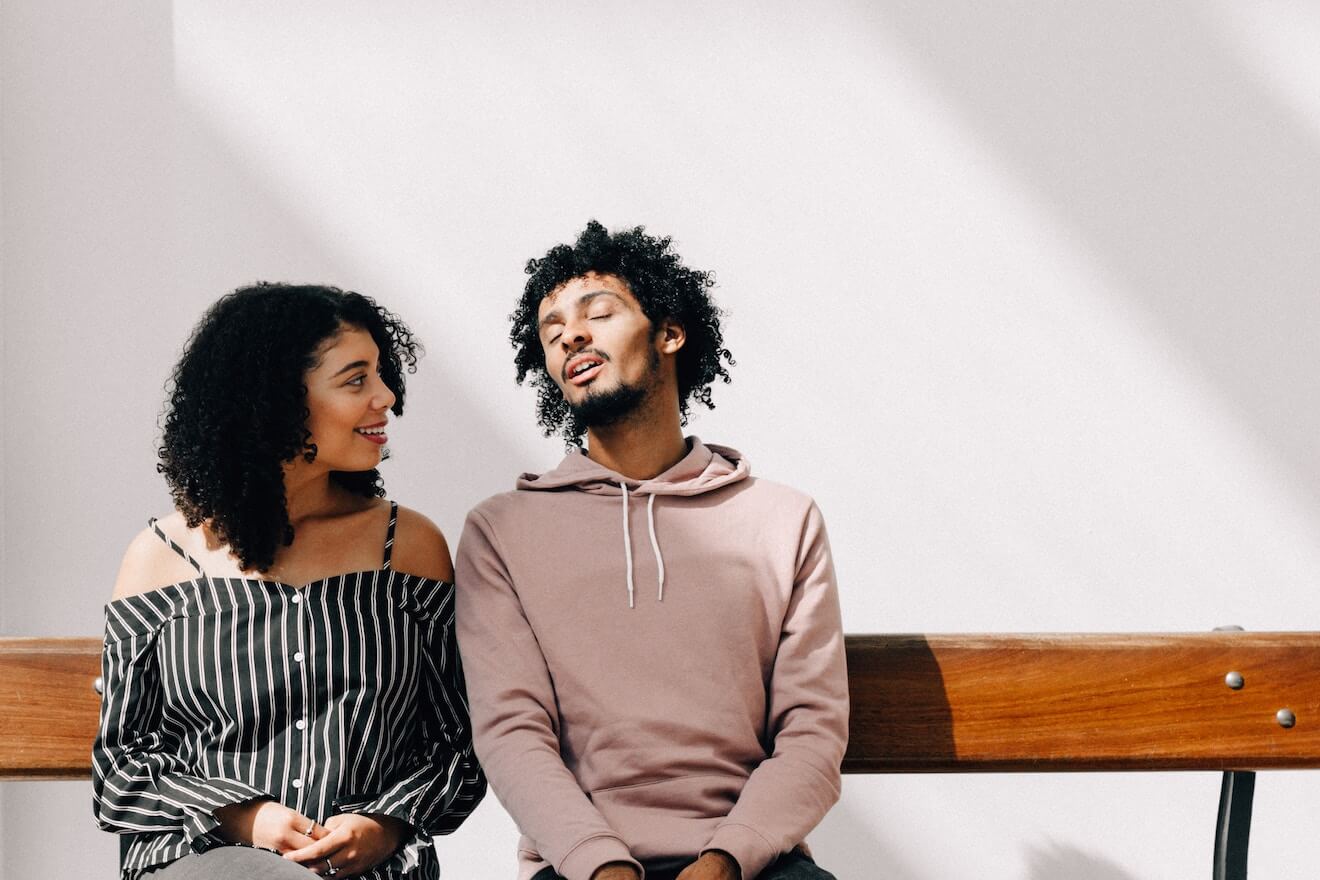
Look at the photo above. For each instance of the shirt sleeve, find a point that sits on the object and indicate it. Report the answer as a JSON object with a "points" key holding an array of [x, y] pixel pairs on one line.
{"points": [[139, 785], [514, 716], [444, 783], [791, 790]]}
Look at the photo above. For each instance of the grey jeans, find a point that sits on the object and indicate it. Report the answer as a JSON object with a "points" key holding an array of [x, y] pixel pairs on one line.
{"points": [[790, 866], [231, 863]]}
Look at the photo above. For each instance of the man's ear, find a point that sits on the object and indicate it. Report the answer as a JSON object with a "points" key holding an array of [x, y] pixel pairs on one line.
{"points": [[670, 336]]}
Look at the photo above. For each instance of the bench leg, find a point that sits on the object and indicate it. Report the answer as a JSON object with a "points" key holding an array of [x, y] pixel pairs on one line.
{"points": [[1233, 830]]}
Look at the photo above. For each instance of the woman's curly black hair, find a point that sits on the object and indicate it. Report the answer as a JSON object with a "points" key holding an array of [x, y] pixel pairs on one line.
{"points": [[663, 286], [237, 409]]}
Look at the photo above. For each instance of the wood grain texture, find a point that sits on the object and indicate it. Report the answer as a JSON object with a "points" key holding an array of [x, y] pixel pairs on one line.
{"points": [[957, 703], [48, 710], [937, 703]]}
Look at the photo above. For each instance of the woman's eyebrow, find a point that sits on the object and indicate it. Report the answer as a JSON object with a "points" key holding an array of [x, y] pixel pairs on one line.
{"points": [[356, 365]]}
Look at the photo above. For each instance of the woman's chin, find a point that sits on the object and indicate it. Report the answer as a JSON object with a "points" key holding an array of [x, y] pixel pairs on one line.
{"points": [[356, 463]]}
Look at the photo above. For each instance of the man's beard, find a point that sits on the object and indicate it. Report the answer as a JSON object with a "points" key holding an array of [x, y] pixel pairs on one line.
{"points": [[608, 407], [614, 406]]}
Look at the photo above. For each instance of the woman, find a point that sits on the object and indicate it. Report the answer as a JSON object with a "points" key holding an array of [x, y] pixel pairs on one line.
{"points": [[282, 688]]}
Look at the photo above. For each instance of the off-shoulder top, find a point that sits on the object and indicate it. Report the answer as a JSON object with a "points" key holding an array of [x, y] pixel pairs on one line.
{"points": [[341, 695]]}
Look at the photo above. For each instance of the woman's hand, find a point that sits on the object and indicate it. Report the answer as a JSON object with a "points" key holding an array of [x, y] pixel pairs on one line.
{"points": [[268, 824], [354, 843]]}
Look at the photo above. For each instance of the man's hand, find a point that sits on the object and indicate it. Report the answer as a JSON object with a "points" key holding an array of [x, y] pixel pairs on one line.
{"points": [[616, 871], [352, 843], [267, 824], [714, 865]]}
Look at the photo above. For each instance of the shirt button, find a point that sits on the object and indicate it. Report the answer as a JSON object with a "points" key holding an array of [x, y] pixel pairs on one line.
{"points": [[300, 724], [297, 783], [296, 599], [297, 657]]}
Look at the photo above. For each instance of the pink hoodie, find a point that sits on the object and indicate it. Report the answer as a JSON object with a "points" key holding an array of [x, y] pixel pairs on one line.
{"points": [[655, 668]]}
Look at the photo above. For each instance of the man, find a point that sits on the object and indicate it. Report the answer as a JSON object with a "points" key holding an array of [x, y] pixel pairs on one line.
{"points": [[651, 635]]}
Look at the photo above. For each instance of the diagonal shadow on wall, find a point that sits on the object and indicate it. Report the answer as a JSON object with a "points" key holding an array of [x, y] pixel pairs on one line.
{"points": [[1142, 132]]}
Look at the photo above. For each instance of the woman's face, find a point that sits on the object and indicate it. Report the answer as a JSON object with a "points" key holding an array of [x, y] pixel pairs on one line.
{"points": [[347, 403]]}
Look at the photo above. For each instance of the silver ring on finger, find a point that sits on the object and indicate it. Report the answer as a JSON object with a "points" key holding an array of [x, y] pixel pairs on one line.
{"points": [[310, 826], [330, 869]]}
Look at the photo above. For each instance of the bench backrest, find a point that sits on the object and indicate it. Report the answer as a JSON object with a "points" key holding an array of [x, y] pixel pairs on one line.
{"points": [[48, 709], [957, 703], [944, 703]]}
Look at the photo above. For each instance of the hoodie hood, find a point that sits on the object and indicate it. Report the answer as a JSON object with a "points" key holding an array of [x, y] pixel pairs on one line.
{"points": [[703, 469]]}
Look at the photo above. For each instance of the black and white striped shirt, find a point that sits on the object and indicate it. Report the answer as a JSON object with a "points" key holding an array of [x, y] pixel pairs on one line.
{"points": [[344, 695]]}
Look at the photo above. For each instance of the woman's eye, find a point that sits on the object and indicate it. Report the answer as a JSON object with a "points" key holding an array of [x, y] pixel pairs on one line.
{"points": [[359, 381], [601, 317]]}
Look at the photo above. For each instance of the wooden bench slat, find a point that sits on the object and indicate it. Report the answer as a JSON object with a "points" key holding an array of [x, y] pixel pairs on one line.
{"points": [[957, 703], [936, 703], [48, 710]]}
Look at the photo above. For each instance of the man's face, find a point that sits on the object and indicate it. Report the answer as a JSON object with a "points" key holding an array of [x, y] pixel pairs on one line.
{"points": [[600, 348]]}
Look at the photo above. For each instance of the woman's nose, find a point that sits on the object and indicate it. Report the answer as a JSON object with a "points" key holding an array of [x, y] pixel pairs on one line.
{"points": [[384, 396]]}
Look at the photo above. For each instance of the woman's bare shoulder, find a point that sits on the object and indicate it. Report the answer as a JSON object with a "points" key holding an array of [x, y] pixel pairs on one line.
{"points": [[149, 563], [420, 547]]}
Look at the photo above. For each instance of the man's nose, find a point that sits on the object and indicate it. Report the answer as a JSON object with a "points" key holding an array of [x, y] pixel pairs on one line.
{"points": [[576, 336]]}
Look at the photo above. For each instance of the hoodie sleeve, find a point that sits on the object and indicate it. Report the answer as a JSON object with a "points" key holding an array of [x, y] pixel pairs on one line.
{"points": [[515, 722], [790, 792]]}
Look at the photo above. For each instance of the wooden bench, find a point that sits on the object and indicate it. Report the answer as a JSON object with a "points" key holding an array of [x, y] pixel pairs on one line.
{"points": [[1225, 701]]}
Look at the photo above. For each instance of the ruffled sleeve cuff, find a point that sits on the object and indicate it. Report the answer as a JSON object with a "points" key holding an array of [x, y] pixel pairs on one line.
{"points": [[200, 798]]}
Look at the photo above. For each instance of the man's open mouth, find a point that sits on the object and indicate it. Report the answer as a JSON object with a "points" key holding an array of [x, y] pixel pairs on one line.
{"points": [[583, 368]]}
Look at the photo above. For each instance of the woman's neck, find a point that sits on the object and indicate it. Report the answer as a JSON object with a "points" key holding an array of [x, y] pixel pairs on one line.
{"points": [[309, 492]]}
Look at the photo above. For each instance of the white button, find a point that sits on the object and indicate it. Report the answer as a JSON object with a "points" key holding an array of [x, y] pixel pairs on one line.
{"points": [[300, 724], [296, 599], [297, 657], [297, 783]]}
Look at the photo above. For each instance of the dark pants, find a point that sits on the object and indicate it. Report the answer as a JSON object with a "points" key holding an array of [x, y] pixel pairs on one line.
{"points": [[789, 866]]}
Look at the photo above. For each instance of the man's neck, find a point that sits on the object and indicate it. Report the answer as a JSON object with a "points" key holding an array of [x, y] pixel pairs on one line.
{"points": [[641, 447]]}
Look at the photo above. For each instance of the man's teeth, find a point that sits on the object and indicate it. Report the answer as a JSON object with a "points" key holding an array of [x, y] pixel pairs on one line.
{"points": [[582, 368]]}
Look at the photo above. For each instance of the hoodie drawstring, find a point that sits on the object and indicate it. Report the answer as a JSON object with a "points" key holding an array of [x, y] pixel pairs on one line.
{"points": [[655, 546], [627, 545]]}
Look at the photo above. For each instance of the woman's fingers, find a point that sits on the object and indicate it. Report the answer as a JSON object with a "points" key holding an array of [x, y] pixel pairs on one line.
{"points": [[314, 830], [327, 845], [299, 831], [333, 850]]}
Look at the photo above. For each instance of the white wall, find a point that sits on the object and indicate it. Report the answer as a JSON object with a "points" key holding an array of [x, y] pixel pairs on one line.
{"points": [[1026, 297]]}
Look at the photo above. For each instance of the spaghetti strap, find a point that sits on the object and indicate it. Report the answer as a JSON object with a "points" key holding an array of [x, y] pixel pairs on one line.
{"points": [[173, 546], [389, 535]]}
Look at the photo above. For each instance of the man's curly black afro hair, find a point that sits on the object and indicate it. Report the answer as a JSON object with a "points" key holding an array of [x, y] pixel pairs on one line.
{"points": [[664, 288], [236, 408]]}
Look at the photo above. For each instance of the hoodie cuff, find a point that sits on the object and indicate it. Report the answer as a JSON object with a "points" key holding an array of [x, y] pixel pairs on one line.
{"points": [[583, 860], [749, 849]]}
